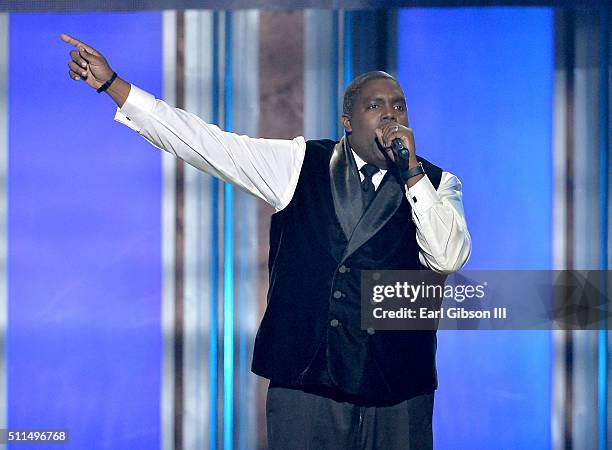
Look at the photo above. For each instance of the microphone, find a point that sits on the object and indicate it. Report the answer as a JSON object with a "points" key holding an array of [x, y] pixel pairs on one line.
{"points": [[400, 151]]}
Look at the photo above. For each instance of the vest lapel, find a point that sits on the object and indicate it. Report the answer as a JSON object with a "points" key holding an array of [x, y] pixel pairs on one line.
{"points": [[346, 192], [389, 196], [345, 187]]}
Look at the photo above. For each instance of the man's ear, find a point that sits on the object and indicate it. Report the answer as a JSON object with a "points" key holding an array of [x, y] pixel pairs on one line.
{"points": [[346, 123]]}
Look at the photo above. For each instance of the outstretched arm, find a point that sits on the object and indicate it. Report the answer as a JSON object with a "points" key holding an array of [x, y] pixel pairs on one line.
{"points": [[266, 168]]}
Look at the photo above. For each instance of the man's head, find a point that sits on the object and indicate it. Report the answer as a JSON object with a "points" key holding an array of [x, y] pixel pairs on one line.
{"points": [[370, 101]]}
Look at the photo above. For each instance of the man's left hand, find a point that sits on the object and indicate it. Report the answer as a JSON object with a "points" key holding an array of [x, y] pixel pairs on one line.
{"points": [[390, 131]]}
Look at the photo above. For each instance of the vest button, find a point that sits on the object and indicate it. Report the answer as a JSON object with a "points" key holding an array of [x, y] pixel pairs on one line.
{"points": [[342, 269], [370, 331], [334, 323], [337, 294]]}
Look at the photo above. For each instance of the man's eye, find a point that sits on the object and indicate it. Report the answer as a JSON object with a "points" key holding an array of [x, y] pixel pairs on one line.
{"points": [[373, 106], [400, 107]]}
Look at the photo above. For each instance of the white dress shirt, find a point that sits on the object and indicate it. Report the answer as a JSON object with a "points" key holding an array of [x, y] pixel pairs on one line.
{"points": [[269, 169]]}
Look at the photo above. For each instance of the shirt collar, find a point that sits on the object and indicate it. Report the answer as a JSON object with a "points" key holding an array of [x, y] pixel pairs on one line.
{"points": [[360, 163]]}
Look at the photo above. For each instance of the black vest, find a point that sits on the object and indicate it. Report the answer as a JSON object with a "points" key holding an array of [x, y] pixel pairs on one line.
{"points": [[310, 332]]}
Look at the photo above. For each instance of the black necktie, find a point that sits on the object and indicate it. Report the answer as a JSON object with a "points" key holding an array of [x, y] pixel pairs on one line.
{"points": [[367, 186]]}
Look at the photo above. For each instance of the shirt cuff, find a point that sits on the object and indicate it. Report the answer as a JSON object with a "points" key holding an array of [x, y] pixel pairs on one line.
{"points": [[138, 104], [422, 196]]}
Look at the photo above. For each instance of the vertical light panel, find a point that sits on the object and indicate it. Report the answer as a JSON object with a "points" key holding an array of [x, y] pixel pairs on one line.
{"points": [[334, 80], [199, 421], [347, 49], [320, 74], [214, 243], [3, 211], [583, 210], [245, 120], [84, 237], [563, 157], [478, 83], [219, 385], [228, 259], [604, 172], [168, 240]]}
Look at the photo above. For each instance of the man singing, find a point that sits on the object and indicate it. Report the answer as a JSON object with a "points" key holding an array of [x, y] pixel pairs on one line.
{"points": [[341, 207]]}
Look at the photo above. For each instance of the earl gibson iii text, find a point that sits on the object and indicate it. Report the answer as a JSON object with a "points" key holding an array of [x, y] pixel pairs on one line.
{"points": [[422, 300]]}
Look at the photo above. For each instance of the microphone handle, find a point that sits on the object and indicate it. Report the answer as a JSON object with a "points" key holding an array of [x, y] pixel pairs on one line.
{"points": [[398, 148]]}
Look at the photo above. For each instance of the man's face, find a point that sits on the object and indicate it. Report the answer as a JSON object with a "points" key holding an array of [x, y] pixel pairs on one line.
{"points": [[379, 102]]}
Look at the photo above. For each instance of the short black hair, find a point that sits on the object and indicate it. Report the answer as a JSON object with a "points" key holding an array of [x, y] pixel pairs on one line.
{"points": [[353, 89]]}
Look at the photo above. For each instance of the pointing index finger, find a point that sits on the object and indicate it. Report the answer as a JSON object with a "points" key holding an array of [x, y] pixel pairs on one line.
{"points": [[75, 42], [70, 40]]}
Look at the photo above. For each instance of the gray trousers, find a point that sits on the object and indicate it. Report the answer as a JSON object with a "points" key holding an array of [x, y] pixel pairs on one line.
{"points": [[302, 421]]}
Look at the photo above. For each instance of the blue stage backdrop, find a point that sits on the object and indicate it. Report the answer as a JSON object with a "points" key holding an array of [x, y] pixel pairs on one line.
{"points": [[479, 88], [84, 264]]}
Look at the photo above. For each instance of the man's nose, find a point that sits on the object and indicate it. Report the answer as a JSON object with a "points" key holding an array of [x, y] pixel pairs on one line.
{"points": [[389, 114]]}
